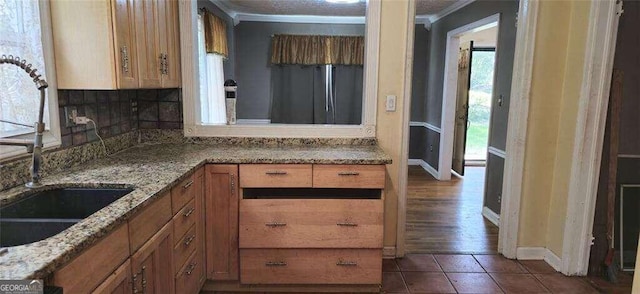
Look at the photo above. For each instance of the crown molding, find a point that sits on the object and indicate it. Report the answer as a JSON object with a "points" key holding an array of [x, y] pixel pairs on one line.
{"points": [[449, 10], [424, 20], [299, 18]]}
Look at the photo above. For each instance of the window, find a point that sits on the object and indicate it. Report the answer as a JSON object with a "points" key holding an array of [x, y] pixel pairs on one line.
{"points": [[23, 34], [212, 99]]}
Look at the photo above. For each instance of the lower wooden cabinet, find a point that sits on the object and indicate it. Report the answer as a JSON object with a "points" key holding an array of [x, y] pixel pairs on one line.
{"points": [[221, 206], [310, 266], [152, 265], [119, 282]]}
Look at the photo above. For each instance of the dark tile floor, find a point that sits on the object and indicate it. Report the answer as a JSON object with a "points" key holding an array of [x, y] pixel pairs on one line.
{"points": [[449, 273]]}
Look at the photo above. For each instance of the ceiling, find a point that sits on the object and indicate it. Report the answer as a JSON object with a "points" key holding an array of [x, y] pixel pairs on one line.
{"points": [[320, 7], [484, 38]]}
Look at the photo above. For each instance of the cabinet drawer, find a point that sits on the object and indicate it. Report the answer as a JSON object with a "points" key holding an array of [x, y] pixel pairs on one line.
{"points": [[182, 193], [311, 266], [311, 223], [184, 247], [188, 278], [149, 221], [87, 271], [349, 176], [184, 219], [275, 175]]}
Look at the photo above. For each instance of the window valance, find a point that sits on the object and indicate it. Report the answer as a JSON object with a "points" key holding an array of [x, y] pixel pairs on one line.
{"points": [[215, 34], [315, 49]]}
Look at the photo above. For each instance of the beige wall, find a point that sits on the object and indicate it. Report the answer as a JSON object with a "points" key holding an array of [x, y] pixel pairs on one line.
{"points": [[555, 91], [393, 40]]}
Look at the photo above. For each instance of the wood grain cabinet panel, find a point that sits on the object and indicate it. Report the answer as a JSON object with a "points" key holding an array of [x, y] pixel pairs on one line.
{"points": [[221, 206], [148, 45], [311, 223], [84, 44], [188, 277], [119, 282], [349, 176], [311, 266], [182, 193], [276, 175], [148, 221], [152, 265], [125, 44], [87, 271], [170, 43], [185, 219]]}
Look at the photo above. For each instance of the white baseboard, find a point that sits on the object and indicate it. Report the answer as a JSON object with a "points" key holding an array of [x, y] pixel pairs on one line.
{"points": [[539, 253], [491, 216], [425, 166], [389, 252]]}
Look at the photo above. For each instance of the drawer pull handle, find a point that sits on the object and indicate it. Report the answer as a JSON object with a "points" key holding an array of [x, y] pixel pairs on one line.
{"points": [[275, 263], [187, 185], [275, 224], [189, 240], [348, 173], [189, 270], [189, 212], [347, 224], [276, 172], [346, 263]]}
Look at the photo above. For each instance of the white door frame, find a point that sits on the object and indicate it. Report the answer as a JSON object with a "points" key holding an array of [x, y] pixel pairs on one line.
{"points": [[589, 136], [514, 162], [449, 91]]}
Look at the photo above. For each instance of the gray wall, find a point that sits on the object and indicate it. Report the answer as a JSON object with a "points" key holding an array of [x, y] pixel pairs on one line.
{"points": [[493, 182], [253, 46], [419, 76], [504, 63], [229, 63], [424, 144], [627, 59]]}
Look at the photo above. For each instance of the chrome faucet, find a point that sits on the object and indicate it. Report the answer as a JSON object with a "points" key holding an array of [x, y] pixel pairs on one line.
{"points": [[34, 147]]}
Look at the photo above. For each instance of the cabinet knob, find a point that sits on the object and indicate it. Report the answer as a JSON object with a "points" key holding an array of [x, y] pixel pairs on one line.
{"points": [[275, 224], [347, 224], [189, 212], [124, 56], [276, 172], [275, 263], [348, 173]]}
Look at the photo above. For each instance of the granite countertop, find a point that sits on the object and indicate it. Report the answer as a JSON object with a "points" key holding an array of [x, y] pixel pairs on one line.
{"points": [[150, 170]]}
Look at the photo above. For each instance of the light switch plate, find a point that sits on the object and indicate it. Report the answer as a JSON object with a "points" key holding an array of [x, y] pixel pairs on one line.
{"points": [[391, 103]]}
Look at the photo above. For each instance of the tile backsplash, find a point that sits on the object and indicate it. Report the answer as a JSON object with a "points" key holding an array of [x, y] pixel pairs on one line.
{"points": [[117, 112]]}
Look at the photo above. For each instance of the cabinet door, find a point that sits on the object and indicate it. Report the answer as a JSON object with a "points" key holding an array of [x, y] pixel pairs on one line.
{"points": [[221, 208], [148, 43], [119, 282], [125, 44], [169, 43], [152, 265]]}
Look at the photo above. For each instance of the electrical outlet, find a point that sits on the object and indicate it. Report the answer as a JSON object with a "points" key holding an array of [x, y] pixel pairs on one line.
{"points": [[391, 103], [70, 114]]}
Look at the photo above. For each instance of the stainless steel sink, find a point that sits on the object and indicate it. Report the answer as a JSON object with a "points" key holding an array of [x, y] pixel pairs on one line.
{"points": [[47, 213]]}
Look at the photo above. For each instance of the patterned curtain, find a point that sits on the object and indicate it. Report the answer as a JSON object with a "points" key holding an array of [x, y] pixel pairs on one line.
{"points": [[20, 35], [314, 50], [215, 33]]}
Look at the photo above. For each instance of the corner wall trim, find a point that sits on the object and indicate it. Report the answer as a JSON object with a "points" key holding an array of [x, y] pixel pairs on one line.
{"points": [[497, 152], [425, 125], [539, 253], [491, 216], [389, 252], [427, 167]]}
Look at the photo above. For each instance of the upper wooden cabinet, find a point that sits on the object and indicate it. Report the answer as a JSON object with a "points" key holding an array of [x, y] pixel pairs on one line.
{"points": [[159, 43], [116, 44]]}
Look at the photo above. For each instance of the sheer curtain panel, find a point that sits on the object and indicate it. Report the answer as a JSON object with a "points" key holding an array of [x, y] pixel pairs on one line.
{"points": [[212, 99]]}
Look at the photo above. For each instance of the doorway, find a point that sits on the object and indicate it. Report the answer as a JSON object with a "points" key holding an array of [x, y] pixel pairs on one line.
{"points": [[475, 77]]}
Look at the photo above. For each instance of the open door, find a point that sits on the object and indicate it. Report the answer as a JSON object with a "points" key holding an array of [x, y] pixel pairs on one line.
{"points": [[462, 107]]}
